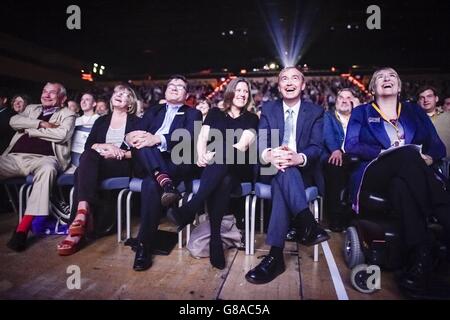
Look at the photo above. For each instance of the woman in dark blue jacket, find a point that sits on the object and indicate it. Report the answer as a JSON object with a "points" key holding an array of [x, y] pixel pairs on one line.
{"points": [[404, 175], [105, 156]]}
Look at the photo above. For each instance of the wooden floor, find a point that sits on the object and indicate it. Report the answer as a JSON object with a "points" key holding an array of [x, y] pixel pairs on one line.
{"points": [[106, 273]]}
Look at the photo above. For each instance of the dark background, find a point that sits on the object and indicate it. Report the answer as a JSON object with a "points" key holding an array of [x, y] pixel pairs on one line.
{"points": [[140, 38]]}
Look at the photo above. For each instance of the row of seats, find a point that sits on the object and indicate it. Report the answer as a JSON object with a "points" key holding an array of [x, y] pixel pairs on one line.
{"points": [[128, 186], [246, 190]]}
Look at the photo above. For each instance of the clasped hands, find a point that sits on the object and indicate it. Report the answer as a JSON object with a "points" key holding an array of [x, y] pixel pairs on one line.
{"points": [[283, 157], [139, 139], [110, 151], [204, 159]]}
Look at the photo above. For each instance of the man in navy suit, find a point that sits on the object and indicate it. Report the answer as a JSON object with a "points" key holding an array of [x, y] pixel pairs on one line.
{"points": [[153, 143], [295, 155]]}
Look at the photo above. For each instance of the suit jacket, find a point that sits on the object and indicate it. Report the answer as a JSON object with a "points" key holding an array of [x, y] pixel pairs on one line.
{"points": [[309, 134], [6, 132], [366, 136], [101, 126], [61, 137], [185, 119], [333, 133]]}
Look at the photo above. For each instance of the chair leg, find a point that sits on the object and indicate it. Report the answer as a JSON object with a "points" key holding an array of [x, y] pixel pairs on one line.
{"points": [[246, 219], [21, 204], [261, 217], [247, 231], [180, 239], [128, 213], [315, 209], [180, 233], [71, 198], [119, 214], [250, 236], [320, 208], [188, 233], [11, 199], [29, 191]]}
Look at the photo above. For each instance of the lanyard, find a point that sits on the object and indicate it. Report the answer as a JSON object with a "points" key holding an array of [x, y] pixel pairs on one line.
{"points": [[394, 124]]}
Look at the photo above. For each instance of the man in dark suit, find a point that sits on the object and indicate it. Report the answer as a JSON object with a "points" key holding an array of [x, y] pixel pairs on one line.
{"points": [[153, 145], [290, 139]]}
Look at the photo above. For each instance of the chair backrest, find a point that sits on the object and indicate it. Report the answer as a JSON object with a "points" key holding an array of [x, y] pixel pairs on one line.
{"points": [[79, 138]]}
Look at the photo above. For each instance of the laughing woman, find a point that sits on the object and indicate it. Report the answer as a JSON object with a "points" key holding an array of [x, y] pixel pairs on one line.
{"points": [[404, 176], [222, 174], [105, 156]]}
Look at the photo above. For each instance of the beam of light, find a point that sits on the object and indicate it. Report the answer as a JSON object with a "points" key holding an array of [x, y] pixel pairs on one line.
{"points": [[291, 32]]}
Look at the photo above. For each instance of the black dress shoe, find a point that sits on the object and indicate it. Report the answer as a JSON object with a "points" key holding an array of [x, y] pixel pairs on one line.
{"points": [[180, 218], [18, 241], [314, 234], [143, 258], [266, 271], [170, 195]]}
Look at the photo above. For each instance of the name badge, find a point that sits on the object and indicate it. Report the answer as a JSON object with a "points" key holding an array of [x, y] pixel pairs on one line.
{"points": [[179, 113], [374, 119]]}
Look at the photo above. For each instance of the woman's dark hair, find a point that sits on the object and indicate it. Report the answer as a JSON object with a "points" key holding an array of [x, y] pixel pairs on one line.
{"points": [[228, 96]]}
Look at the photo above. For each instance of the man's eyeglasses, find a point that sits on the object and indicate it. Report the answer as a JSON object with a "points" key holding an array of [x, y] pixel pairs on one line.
{"points": [[176, 86]]}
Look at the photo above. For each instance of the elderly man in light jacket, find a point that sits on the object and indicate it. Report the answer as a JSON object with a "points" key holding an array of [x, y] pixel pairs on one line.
{"points": [[41, 147]]}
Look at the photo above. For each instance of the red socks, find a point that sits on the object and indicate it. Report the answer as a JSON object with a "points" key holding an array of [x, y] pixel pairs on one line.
{"points": [[82, 211], [162, 179], [25, 225]]}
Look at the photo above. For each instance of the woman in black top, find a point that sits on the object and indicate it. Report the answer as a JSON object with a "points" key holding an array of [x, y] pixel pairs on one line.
{"points": [[105, 156], [225, 168]]}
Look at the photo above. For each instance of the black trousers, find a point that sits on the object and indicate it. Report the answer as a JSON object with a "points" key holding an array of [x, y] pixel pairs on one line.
{"points": [[151, 159], [336, 181], [217, 183], [92, 170], [412, 190]]}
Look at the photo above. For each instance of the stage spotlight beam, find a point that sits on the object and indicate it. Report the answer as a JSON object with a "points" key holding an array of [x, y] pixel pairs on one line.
{"points": [[289, 33]]}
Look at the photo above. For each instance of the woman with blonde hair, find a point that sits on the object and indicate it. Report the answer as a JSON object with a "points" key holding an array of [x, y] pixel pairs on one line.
{"points": [[105, 156], [402, 175]]}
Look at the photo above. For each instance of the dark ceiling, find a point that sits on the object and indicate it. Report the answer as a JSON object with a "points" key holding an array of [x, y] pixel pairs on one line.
{"points": [[139, 38]]}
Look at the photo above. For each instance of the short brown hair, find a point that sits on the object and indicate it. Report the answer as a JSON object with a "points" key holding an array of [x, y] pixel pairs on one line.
{"points": [[348, 90], [425, 88]]}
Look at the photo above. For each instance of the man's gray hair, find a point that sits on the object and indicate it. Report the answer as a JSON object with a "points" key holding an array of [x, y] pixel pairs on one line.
{"points": [[62, 91]]}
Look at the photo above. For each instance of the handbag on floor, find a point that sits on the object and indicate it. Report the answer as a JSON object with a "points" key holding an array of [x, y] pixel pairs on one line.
{"points": [[198, 244]]}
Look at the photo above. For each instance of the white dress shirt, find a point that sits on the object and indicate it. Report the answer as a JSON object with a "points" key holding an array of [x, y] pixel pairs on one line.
{"points": [[293, 139]]}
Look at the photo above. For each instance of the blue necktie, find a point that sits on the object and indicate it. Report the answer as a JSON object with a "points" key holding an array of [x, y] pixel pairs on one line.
{"points": [[288, 127]]}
